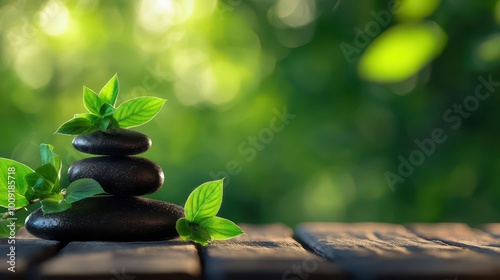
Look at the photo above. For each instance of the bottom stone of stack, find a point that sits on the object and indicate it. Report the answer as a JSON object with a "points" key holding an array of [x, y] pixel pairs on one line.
{"points": [[108, 218]]}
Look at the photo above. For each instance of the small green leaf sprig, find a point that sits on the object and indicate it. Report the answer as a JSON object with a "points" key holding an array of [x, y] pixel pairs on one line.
{"points": [[200, 224], [104, 116], [21, 186]]}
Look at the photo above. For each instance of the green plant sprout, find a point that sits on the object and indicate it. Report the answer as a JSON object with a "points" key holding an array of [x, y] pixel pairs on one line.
{"points": [[104, 116], [200, 224], [21, 186]]}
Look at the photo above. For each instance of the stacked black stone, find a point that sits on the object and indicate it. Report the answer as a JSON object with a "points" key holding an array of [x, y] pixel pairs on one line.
{"points": [[122, 215]]}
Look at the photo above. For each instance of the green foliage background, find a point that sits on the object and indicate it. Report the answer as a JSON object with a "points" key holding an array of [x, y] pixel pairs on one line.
{"points": [[227, 66]]}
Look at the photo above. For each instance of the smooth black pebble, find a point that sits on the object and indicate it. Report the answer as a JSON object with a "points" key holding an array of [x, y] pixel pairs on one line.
{"points": [[126, 142], [120, 175], [108, 218]]}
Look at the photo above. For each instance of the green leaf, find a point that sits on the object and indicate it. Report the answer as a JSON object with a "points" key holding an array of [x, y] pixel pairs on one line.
{"points": [[48, 156], [33, 178], [51, 177], [183, 229], [214, 228], [109, 93], [76, 126], [48, 172], [220, 228], [200, 235], [204, 202], [81, 189], [17, 173], [91, 117], [54, 204], [103, 124], [106, 110], [138, 111], [99, 123], [113, 127], [41, 186], [76, 191], [91, 101], [44, 181], [200, 223]]}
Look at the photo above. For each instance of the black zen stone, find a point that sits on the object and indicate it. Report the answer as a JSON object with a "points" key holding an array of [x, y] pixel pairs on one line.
{"points": [[126, 142], [108, 218], [120, 175]]}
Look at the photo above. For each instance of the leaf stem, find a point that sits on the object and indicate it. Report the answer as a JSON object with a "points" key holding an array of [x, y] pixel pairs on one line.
{"points": [[8, 213]]}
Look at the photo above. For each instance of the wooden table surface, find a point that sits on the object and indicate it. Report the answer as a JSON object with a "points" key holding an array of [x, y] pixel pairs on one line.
{"points": [[274, 251]]}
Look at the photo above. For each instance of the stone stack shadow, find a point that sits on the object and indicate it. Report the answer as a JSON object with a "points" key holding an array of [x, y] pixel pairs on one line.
{"points": [[122, 215]]}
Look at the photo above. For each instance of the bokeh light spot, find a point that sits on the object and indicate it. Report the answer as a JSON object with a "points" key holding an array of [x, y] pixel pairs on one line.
{"points": [[156, 16], [328, 193], [416, 9], [295, 13], [33, 67], [195, 78], [401, 52], [53, 18], [228, 83], [488, 50]]}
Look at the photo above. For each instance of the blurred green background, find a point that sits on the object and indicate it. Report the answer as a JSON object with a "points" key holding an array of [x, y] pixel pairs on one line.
{"points": [[363, 80]]}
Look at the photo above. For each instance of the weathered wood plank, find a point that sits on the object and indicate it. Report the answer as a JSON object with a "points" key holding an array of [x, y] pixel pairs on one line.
{"points": [[265, 252], [28, 251], [124, 260], [459, 235], [386, 251], [493, 229]]}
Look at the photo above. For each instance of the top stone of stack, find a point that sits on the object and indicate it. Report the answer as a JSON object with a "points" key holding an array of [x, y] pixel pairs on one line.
{"points": [[125, 142]]}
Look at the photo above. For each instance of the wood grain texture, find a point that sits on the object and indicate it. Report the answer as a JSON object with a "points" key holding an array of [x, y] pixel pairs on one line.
{"points": [[124, 260], [265, 252], [356, 251], [493, 229], [387, 251], [460, 235]]}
